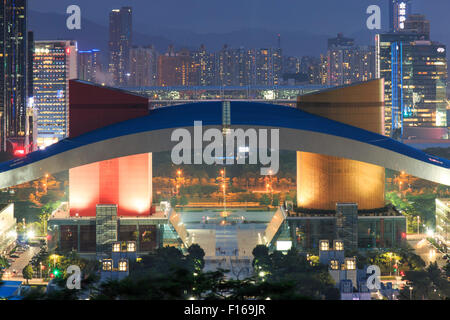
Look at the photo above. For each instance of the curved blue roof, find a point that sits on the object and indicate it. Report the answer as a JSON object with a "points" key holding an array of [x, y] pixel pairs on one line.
{"points": [[242, 113]]}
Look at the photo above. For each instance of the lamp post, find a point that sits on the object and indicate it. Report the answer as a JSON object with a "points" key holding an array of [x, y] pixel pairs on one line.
{"points": [[418, 225], [410, 292]]}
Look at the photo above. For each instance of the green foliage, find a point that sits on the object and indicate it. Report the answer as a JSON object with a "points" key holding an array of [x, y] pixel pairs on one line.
{"points": [[4, 262], [308, 278], [195, 257], [27, 272], [428, 284]]}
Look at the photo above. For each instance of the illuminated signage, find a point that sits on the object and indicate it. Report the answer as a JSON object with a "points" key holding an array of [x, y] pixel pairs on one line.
{"points": [[401, 15]]}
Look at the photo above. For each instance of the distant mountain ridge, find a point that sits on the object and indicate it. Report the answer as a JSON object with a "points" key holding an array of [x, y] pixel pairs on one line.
{"points": [[49, 26]]}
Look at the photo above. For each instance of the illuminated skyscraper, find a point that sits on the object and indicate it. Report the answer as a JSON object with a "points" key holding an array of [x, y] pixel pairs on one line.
{"points": [[415, 73], [120, 42], [268, 63], [348, 63], [13, 73], [399, 10], [143, 65], [417, 23], [55, 63], [88, 65], [205, 61]]}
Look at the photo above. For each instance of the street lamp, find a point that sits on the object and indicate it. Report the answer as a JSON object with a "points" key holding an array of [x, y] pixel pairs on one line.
{"points": [[418, 225], [410, 293]]}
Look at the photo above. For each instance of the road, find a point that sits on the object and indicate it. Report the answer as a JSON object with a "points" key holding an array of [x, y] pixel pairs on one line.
{"points": [[19, 263], [426, 250]]}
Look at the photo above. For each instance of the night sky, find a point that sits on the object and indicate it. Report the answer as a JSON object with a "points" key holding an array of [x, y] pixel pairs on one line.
{"points": [[201, 16]]}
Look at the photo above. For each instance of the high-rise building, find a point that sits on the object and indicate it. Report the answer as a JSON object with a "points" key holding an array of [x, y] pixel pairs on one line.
{"points": [[205, 61], [348, 63], [399, 10], [418, 24], [143, 65], [55, 63], [177, 69], [120, 42], [415, 73], [88, 65], [268, 63], [13, 74]]}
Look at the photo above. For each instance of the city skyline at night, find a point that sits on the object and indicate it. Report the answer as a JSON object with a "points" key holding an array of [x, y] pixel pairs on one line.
{"points": [[240, 151]]}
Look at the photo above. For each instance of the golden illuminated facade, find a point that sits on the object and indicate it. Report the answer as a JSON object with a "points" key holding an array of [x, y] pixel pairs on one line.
{"points": [[54, 64], [323, 181]]}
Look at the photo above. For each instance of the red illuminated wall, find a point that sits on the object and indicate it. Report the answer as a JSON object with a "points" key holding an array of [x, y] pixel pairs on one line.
{"points": [[125, 181], [93, 106]]}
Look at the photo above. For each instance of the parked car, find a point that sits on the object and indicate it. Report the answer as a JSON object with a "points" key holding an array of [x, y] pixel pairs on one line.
{"points": [[14, 256]]}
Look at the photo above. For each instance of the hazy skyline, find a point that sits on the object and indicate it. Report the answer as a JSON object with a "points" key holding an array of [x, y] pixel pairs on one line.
{"points": [[204, 16]]}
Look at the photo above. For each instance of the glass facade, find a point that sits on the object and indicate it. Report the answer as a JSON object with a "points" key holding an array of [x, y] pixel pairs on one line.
{"points": [[148, 240], [106, 227], [443, 221], [127, 233], [68, 240], [53, 65], [87, 238], [415, 73], [13, 69], [372, 231]]}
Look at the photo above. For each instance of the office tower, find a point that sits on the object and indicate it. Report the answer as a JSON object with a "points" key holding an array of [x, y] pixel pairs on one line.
{"points": [[323, 181], [416, 23], [88, 65], [120, 42], [13, 74], [143, 63], [55, 63], [399, 10], [415, 73], [419, 86]]}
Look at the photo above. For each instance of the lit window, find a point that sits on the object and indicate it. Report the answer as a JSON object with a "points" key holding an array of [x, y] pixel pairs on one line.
{"points": [[123, 265], [324, 245], [334, 264], [350, 264], [107, 265], [131, 247], [116, 247], [338, 245]]}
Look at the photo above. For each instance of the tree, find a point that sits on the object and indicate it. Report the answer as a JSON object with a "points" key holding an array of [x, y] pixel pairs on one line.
{"points": [[447, 269], [27, 272], [261, 257], [196, 257]]}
